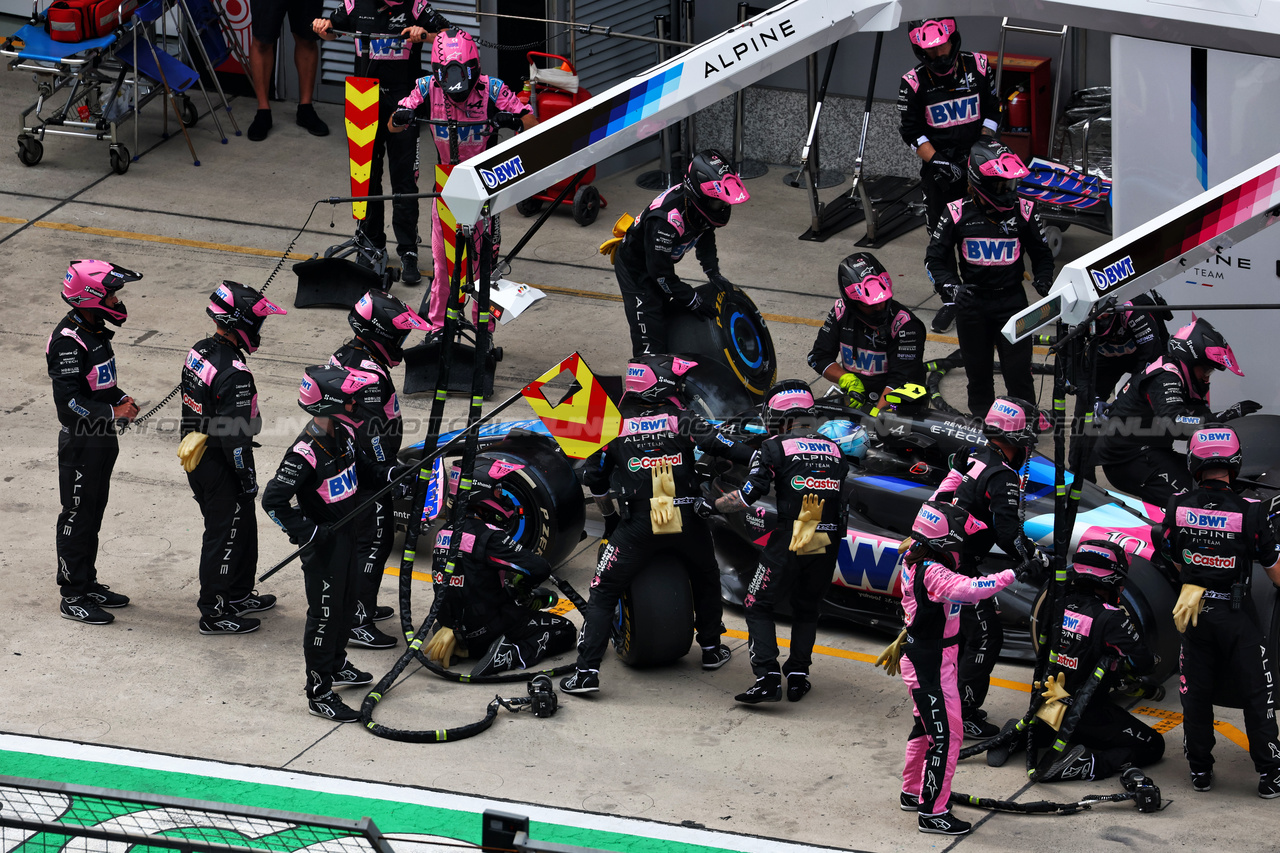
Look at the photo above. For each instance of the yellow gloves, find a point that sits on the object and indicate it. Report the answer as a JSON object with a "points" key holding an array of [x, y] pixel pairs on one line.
{"points": [[1052, 711], [440, 647], [191, 450], [663, 515], [804, 536], [609, 248], [1187, 610], [891, 657], [905, 545]]}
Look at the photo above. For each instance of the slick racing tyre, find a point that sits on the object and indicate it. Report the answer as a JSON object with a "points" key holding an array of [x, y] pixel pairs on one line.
{"points": [[653, 625], [737, 337], [714, 391], [538, 502]]}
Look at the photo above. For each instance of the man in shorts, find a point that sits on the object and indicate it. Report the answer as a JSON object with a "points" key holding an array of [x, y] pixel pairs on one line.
{"points": [[267, 21]]}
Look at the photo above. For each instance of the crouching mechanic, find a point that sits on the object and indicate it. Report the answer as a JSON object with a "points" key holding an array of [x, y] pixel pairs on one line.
{"points": [[799, 558], [986, 483], [1106, 738], [1214, 536], [869, 344], [684, 217], [649, 467], [320, 472], [219, 420], [932, 592], [456, 90], [381, 323], [1167, 401], [90, 409], [495, 612]]}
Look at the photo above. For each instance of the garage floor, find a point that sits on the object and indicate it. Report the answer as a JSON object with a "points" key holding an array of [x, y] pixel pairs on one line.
{"points": [[665, 745]]}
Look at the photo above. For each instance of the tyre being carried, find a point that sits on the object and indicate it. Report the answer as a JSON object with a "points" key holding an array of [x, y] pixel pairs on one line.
{"points": [[735, 336]]}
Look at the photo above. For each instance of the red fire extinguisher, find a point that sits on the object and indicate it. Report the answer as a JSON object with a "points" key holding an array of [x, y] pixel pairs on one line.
{"points": [[1019, 111]]}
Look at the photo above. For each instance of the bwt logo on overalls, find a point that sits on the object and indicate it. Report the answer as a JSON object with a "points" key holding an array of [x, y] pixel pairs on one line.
{"points": [[958, 111], [799, 483], [812, 446], [1112, 274], [341, 484], [107, 373], [987, 252], [870, 362], [385, 47], [502, 173], [1071, 622], [652, 424], [195, 362], [1210, 521]]}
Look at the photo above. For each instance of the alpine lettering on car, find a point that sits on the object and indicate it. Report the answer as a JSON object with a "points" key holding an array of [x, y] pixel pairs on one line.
{"points": [[757, 43], [1112, 274], [800, 483], [869, 563], [503, 173], [1209, 561], [956, 111], [641, 463], [986, 252]]}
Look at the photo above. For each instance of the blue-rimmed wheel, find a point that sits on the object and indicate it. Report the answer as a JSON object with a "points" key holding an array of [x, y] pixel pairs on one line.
{"points": [[737, 337]]}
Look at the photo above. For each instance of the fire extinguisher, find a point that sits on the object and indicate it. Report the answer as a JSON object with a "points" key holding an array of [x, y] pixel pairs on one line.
{"points": [[1019, 111]]}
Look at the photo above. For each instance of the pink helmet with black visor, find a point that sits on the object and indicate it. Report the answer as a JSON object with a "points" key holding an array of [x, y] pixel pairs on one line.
{"points": [[713, 187], [942, 529], [326, 389], [935, 32], [1214, 446], [1014, 420], [994, 172], [384, 322], [88, 282], [1199, 342], [455, 63], [1100, 563], [863, 281], [655, 379], [785, 401], [241, 310]]}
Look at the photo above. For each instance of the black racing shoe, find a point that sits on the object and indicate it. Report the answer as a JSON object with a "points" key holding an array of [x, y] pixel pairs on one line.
{"points": [[349, 676], [369, 637], [978, 728], [944, 318], [998, 755], [1075, 763], [1269, 785], [332, 708], [253, 603], [409, 272], [797, 685], [582, 681], [1202, 783], [227, 624], [260, 126], [82, 608], [381, 613], [311, 122], [102, 594], [943, 824], [768, 688], [501, 656], [716, 656], [908, 802]]}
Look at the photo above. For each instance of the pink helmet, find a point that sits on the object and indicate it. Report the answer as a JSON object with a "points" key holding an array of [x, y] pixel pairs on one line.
{"points": [[863, 280], [931, 33], [240, 309], [1215, 446], [712, 186], [786, 400], [942, 527], [1014, 420], [1101, 563], [384, 322], [326, 389], [657, 378], [994, 172], [455, 63], [87, 283], [1199, 342]]}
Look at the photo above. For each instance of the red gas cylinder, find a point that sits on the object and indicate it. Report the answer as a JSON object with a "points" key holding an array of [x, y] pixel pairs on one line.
{"points": [[1019, 115]]}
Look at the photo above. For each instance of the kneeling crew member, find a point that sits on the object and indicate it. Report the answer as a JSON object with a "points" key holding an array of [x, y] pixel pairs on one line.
{"points": [[869, 344], [1106, 738], [799, 559], [1214, 536], [649, 466]]}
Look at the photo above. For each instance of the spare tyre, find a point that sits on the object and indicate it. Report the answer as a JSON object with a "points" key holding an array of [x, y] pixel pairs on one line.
{"points": [[713, 391], [653, 625], [536, 497], [737, 337]]}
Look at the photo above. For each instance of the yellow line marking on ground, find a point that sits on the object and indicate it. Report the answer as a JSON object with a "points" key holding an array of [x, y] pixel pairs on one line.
{"points": [[1171, 719], [171, 241], [13, 220], [394, 572]]}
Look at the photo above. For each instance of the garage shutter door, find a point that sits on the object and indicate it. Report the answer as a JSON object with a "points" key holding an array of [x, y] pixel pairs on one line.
{"points": [[603, 61]]}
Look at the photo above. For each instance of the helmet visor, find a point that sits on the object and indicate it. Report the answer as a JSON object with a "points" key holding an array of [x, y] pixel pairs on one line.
{"points": [[455, 80], [932, 33]]}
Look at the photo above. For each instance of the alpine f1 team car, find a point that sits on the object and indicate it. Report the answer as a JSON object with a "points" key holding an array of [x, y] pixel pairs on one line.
{"points": [[895, 467]]}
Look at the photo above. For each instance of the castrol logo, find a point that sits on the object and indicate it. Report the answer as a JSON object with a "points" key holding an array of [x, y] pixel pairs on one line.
{"points": [[817, 483], [641, 463]]}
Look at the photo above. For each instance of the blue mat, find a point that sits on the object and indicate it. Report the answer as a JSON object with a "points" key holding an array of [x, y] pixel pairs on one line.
{"points": [[38, 45], [178, 76]]}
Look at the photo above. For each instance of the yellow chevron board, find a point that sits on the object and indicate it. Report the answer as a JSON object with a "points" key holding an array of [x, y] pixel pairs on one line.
{"points": [[448, 223], [580, 424], [361, 119]]}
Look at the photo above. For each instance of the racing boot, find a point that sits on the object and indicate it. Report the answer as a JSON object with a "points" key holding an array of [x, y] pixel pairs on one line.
{"points": [[409, 272], [324, 703], [253, 603], [1075, 763], [368, 636], [976, 726], [714, 657], [102, 594], [908, 802], [501, 656], [797, 685], [228, 624], [1202, 783], [944, 824], [768, 688], [82, 608], [944, 318], [349, 676], [381, 613], [1268, 785], [582, 681]]}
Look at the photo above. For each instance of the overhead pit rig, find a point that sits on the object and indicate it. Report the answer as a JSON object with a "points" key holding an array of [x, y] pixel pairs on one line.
{"points": [[787, 33]]}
